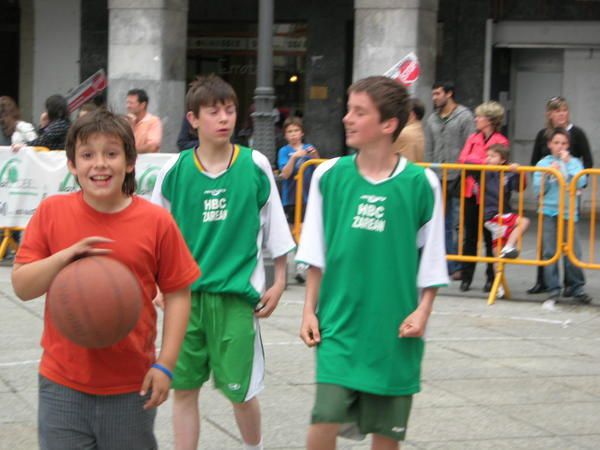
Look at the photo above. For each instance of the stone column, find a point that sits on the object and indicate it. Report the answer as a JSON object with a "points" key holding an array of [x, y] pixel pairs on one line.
{"points": [[147, 49], [387, 30], [264, 94]]}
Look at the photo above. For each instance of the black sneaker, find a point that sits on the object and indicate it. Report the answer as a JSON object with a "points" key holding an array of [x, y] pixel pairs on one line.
{"points": [[583, 298], [567, 292]]}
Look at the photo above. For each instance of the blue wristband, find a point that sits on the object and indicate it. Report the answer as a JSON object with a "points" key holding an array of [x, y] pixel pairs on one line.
{"points": [[163, 369]]}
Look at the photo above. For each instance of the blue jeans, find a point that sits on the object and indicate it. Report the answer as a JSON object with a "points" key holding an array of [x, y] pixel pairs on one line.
{"points": [[574, 277], [451, 225]]}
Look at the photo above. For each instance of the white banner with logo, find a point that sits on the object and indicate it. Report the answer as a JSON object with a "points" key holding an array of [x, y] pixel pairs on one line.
{"points": [[27, 177]]}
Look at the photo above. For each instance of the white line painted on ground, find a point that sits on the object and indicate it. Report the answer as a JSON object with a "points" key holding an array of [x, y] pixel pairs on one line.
{"points": [[563, 323], [19, 363], [440, 339]]}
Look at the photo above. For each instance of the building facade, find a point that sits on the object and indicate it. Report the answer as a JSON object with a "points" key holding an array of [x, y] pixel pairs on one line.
{"points": [[518, 52]]}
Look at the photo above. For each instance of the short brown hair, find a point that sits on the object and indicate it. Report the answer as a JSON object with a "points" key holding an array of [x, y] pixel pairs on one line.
{"points": [[208, 91], [105, 122], [501, 150], [292, 120], [550, 133], [390, 98]]}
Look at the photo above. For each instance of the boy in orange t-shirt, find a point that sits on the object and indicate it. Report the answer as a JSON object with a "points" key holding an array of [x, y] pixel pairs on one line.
{"points": [[105, 398]]}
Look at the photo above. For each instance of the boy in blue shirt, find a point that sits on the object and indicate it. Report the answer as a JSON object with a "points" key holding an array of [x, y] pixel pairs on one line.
{"points": [[569, 166], [289, 159]]}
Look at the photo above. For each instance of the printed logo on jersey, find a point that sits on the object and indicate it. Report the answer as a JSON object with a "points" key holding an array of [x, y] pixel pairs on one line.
{"points": [[370, 214], [215, 205]]}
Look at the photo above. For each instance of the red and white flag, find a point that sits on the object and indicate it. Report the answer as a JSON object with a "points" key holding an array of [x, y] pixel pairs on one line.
{"points": [[405, 71], [87, 90]]}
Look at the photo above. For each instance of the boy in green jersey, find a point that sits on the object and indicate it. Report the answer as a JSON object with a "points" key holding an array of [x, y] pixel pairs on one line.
{"points": [[373, 239], [226, 203]]}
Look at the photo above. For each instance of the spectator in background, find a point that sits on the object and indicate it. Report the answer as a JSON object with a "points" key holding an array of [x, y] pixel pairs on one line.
{"points": [[188, 137], [54, 125], [147, 127], [289, 159], [560, 159], [13, 130], [87, 108], [411, 142], [557, 116], [446, 132], [488, 121]]}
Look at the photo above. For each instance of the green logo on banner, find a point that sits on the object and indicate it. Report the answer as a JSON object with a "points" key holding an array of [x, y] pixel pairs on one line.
{"points": [[9, 174], [68, 183], [147, 180]]}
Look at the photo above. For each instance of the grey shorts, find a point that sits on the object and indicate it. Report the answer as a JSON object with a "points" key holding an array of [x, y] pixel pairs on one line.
{"points": [[70, 419]]}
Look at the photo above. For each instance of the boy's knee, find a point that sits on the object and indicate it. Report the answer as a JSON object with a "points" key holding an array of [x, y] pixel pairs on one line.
{"points": [[245, 405], [185, 396]]}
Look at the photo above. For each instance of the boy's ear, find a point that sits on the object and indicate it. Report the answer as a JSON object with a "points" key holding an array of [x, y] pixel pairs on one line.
{"points": [[390, 125], [192, 119], [71, 167]]}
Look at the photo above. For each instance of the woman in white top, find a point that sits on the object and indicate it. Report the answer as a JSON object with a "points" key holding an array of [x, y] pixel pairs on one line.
{"points": [[11, 125]]}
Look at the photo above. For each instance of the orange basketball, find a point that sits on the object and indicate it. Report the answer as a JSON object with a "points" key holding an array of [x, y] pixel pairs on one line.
{"points": [[95, 301]]}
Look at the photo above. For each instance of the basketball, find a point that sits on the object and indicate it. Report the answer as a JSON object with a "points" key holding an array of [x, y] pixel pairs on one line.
{"points": [[94, 301]]}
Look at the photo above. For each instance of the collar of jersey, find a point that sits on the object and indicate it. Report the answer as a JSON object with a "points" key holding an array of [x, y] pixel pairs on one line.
{"points": [[201, 169], [399, 168]]}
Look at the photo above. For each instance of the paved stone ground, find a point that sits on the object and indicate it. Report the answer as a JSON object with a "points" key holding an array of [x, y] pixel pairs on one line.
{"points": [[508, 376]]}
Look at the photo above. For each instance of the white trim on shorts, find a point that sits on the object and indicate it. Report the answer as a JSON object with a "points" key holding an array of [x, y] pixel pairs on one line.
{"points": [[257, 379]]}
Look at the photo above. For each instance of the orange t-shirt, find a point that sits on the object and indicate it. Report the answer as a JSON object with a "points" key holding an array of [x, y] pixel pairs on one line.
{"points": [[147, 240], [148, 131]]}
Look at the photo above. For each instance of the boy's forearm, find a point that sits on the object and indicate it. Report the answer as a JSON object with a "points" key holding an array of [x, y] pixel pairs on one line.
{"points": [[280, 264], [288, 169], [313, 285], [427, 298], [177, 313], [32, 280]]}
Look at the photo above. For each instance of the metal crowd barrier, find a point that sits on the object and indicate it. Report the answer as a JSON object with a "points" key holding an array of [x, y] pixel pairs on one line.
{"points": [[592, 185], [465, 170]]}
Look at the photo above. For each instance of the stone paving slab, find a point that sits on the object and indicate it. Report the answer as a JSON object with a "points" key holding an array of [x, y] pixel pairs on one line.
{"points": [[509, 376]]}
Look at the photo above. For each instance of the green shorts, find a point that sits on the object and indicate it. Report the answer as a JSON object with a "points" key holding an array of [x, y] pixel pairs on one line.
{"points": [[222, 337], [361, 413]]}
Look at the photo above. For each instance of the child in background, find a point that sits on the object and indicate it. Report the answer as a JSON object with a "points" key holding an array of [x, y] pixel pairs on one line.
{"points": [[290, 158], [506, 227], [569, 166], [513, 226]]}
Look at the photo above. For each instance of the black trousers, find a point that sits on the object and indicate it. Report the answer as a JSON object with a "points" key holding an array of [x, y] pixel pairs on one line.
{"points": [[471, 219]]}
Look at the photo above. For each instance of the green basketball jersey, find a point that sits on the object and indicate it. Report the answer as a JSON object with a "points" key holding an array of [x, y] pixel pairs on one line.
{"points": [[226, 219], [377, 243]]}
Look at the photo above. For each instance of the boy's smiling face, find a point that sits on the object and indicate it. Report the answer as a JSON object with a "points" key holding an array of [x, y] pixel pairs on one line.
{"points": [[216, 123], [100, 167], [363, 122]]}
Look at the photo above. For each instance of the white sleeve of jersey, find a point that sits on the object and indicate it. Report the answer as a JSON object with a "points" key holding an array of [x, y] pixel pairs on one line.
{"points": [[433, 270], [157, 196], [277, 239], [311, 250]]}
